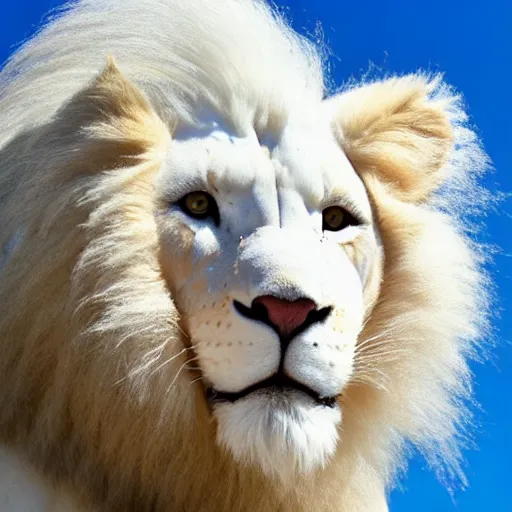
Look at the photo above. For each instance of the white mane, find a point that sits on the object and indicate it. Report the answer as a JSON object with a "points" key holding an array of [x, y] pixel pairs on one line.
{"points": [[235, 56]]}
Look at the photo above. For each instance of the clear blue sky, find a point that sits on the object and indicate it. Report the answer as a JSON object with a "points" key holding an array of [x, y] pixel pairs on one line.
{"points": [[471, 42]]}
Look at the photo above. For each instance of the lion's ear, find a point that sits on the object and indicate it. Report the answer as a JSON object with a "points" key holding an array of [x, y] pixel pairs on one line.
{"points": [[397, 131], [114, 112], [111, 96]]}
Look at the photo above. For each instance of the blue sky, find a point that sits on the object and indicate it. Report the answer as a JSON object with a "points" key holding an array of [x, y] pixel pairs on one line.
{"points": [[471, 42]]}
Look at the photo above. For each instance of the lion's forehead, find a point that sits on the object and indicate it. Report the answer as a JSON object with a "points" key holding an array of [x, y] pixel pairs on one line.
{"points": [[270, 173]]}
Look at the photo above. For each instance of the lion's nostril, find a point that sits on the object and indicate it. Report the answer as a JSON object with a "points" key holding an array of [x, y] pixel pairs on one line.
{"points": [[284, 315]]}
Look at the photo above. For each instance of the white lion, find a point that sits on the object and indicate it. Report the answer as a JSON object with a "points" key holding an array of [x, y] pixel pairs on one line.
{"points": [[219, 290]]}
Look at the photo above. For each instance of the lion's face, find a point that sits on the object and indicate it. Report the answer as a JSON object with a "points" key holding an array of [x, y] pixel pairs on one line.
{"points": [[268, 250]]}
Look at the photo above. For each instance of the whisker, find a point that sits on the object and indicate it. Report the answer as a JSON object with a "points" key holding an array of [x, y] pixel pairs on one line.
{"points": [[380, 353], [160, 366], [182, 367], [380, 335], [176, 324], [375, 378]]}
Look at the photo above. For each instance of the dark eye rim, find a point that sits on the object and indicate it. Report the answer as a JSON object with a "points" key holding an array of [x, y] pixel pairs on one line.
{"points": [[348, 219], [212, 211]]}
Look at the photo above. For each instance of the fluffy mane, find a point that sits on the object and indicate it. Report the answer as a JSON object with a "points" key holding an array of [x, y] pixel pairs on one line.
{"points": [[100, 384]]}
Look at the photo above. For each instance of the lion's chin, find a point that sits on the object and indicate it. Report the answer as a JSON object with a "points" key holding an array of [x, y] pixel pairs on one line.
{"points": [[284, 433]]}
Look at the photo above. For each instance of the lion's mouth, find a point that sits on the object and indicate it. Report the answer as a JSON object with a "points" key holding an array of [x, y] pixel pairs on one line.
{"points": [[278, 383]]}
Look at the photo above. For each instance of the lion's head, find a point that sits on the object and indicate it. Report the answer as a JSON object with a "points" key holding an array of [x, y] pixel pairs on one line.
{"points": [[228, 273], [273, 269]]}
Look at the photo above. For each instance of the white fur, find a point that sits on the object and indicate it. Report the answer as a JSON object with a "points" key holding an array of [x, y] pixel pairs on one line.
{"points": [[182, 81], [281, 434]]}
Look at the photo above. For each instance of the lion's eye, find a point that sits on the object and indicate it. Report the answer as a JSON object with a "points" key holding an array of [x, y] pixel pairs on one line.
{"points": [[335, 218], [197, 203], [200, 205]]}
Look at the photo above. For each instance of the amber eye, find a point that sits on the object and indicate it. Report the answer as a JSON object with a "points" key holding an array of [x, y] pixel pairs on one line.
{"points": [[197, 203], [200, 205], [335, 218]]}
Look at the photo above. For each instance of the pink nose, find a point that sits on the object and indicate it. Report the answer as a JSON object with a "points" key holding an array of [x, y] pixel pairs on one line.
{"points": [[286, 316]]}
